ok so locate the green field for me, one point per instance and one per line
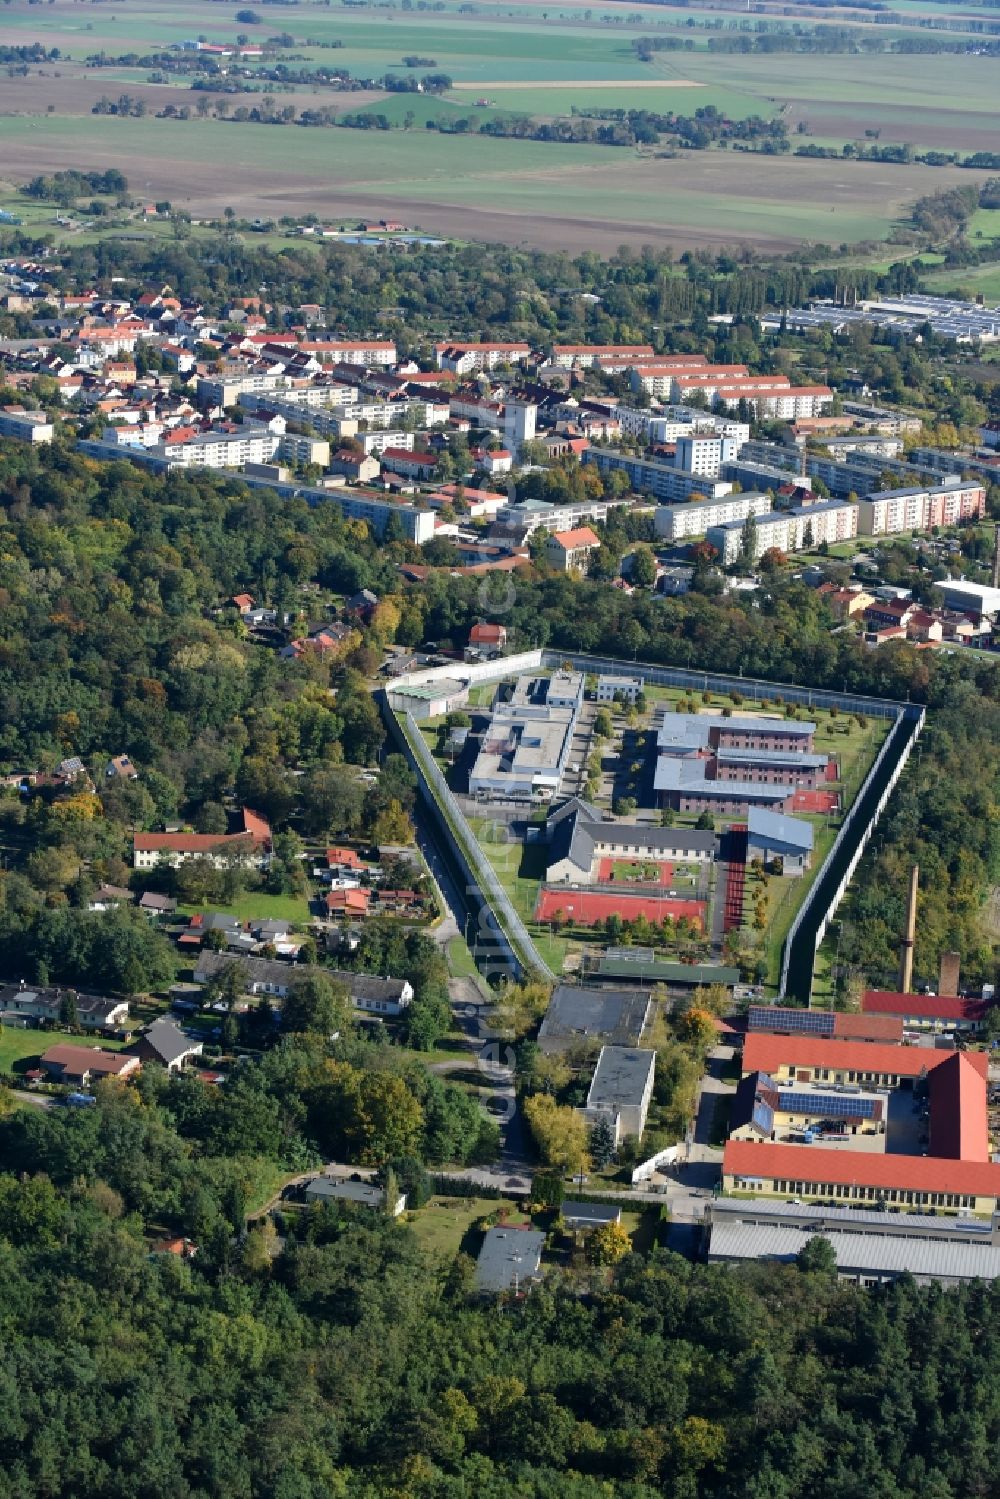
(634, 869)
(253, 907)
(524, 61)
(444, 1222)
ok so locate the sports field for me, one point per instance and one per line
(588, 907)
(528, 59)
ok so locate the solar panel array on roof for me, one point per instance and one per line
(829, 1105)
(763, 1116)
(780, 1021)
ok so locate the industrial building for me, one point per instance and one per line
(870, 1248)
(526, 748)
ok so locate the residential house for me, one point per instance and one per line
(165, 1043)
(569, 551)
(20, 1004)
(487, 641)
(269, 976)
(365, 1194)
(509, 1260)
(157, 905)
(122, 766)
(82, 1065)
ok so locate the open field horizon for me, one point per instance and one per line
(505, 61)
(554, 196)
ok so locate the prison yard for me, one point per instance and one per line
(517, 71)
(687, 878)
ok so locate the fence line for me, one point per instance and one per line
(847, 831)
(505, 924)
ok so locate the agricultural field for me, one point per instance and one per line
(525, 60)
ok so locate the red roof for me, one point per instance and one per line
(846, 1168)
(959, 1115)
(185, 843)
(76, 1060)
(397, 455)
(763, 1053)
(867, 1028)
(488, 634)
(583, 536)
(258, 827)
(348, 900)
(345, 858)
(614, 349)
(926, 1006)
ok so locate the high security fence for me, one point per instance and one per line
(809, 927)
(496, 909)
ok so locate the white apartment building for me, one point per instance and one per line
(664, 482)
(585, 356)
(28, 426)
(248, 444)
(894, 510)
(377, 442)
(294, 448)
(787, 530)
(677, 522)
(373, 353)
(133, 435)
(467, 358)
(227, 390)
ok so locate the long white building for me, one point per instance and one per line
(677, 522)
(787, 530)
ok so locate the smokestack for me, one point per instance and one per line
(996, 558)
(906, 946)
(948, 975)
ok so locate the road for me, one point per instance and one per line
(37, 1100)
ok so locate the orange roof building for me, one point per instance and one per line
(814, 1059)
(860, 1176)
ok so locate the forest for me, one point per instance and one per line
(328, 1355)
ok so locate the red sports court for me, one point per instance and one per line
(815, 801)
(587, 907)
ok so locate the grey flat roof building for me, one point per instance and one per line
(589, 1214)
(866, 1257)
(775, 828)
(576, 1014)
(621, 1077)
(509, 1258)
(621, 1088)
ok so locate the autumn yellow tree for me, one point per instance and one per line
(559, 1132)
(609, 1244)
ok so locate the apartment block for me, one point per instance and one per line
(894, 510)
(661, 480)
(678, 522)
